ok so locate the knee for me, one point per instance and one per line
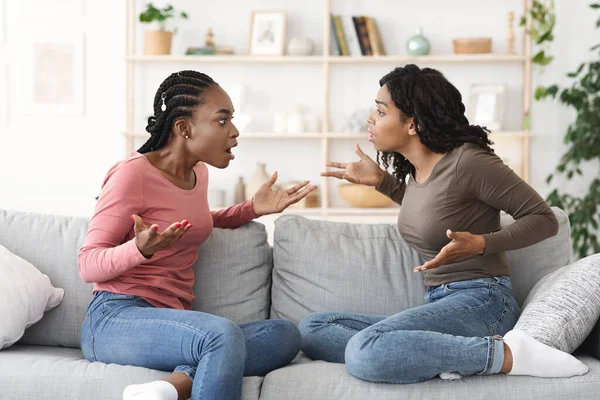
(226, 332)
(289, 336)
(312, 322)
(362, 358)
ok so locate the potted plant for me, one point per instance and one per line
(159, 41)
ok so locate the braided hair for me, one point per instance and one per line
(180, 93)
(438, 113)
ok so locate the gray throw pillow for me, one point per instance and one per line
(563, 307)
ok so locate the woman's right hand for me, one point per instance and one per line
(365, 171)
(149, 240)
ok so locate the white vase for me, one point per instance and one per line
(259, 178)
(300, 47)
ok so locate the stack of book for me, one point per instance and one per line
(355, 36)
(209, 51)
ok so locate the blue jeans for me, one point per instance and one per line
(214, 352)
(458, 330)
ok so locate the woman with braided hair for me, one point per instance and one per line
(452, 188)
(143, 239)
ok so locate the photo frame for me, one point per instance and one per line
(267, 33)
(53, 76)
(486, 105)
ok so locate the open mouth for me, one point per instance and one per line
(371, 137)
(228, 151)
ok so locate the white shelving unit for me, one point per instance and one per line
(325, 136)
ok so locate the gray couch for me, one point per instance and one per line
(313, 266)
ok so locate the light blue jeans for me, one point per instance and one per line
(214, 352)
(459, 330)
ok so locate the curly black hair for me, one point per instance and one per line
(181, 92)
(438, 113)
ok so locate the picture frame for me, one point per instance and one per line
(53, 74)
(486, 105)
(267, 33)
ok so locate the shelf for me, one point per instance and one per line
(238, 59)
(447, 58)
(332, 135)
(244, 59)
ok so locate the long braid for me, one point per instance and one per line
(437, 110)
(182, 91)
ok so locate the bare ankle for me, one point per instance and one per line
(182, 383)
(508, 360)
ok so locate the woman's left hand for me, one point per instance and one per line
(268, 201)
(463, 244)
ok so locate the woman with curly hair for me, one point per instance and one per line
(452, 188)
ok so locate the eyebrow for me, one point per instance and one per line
(381, 102)
(224, 111)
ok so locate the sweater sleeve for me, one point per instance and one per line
(105, 253)
(486, 177)
(392, 188)
(234, 216)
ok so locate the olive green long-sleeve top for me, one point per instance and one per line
(465, 192)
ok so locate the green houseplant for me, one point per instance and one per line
(582, 136)
(159, 41)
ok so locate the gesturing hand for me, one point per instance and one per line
(463, 244)
(268, 201)
(149, 240)
(364, 171)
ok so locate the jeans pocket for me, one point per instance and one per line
(478, 283)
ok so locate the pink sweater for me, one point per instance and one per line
(109, 256)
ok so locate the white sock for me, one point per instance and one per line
(534, 358)
(157, 390)
(450, 376)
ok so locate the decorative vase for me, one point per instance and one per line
(240, 191)
(259, 178)
(157, 42)
(417, 45)
(300, 47)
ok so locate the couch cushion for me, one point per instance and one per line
(39, 372)
(308, 380)
(528, 265)
(323, 266)
(339, 266)
(563, 307)
(232, 272)
(51, 243)
(25, 294)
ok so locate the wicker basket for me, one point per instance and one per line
(472, 45)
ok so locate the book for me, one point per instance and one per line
(363, 36)
(375, 37)
(351, 36)
(335, 47)
(201, 51)
(339, 34)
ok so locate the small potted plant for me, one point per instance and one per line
(159, 41)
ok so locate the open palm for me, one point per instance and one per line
(269, 201)
(365, 171)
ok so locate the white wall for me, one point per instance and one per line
(56, 164)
